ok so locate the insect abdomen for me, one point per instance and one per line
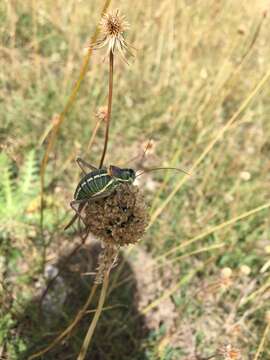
(92, 184)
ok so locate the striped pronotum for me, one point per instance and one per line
(96, 183)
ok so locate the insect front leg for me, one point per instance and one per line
(83, 163)
(81, 203)
(81, 206)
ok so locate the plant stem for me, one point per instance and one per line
(91, 141)
(262, 342)
(93, 324)
(109, 110)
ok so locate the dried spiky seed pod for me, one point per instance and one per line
(119, 219)
(113, 25)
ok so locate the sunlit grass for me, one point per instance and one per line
(199, 87)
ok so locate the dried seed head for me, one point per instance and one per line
(229, 353)
(119, 219)
(101, 113)
(113, 25)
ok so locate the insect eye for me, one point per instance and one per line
(131, 173)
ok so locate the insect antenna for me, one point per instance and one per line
(141, 157)
(163, 168)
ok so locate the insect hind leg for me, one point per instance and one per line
(83, 163)
(77, 211)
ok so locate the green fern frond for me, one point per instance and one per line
(6, 182)
(28, 175)
(4, 163)
(16, 194)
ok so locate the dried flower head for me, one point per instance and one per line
(229, 353)
(119, 219)
(102, 113)
(113, 25)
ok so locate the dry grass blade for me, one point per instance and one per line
(214, 229)
(185, 256)
(210, 146)
(173, 289)
(256, 293)
(232, 78)
(94, 133)
(262, 342)
(48, 129)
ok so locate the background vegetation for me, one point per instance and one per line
(199, 87)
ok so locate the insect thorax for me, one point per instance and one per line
(92, 184)
(102, 182)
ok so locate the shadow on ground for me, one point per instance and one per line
(120, 331)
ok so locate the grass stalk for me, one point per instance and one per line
(96, 317)
(213, 230)
(109, 110)
(263, 288)
(262, 342)
(94, 133)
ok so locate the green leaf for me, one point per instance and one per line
(28, 175)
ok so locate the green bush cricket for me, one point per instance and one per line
(100, 183)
